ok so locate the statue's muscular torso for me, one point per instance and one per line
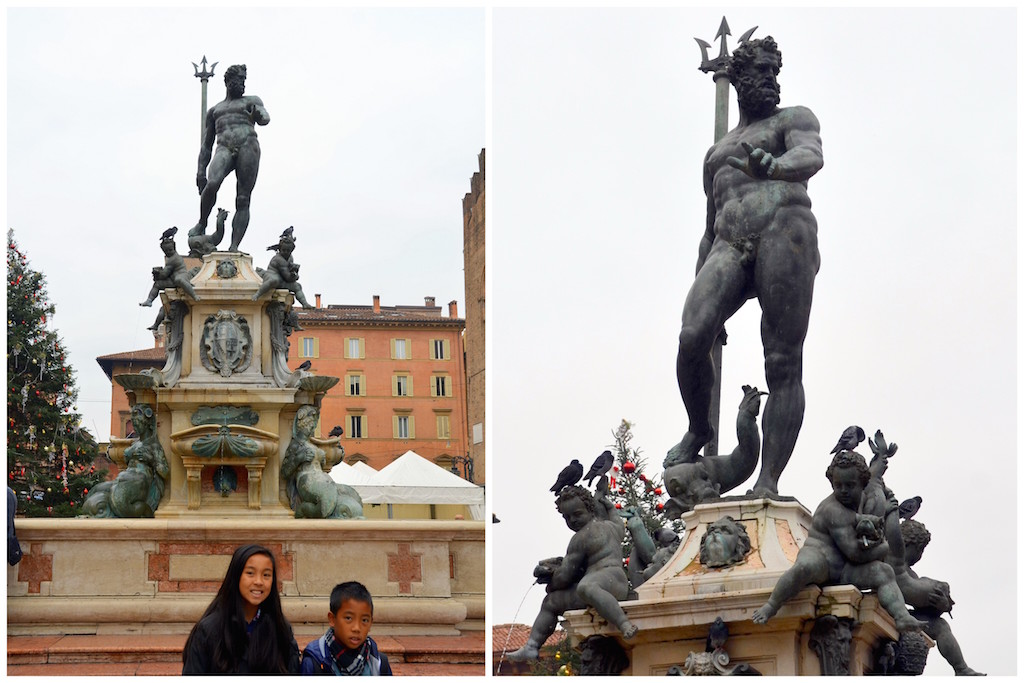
(234, 126)
(754, 208)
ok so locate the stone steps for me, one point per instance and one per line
(160, 655)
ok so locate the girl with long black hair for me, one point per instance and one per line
(244, 630)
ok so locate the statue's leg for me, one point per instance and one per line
(220, 166)
(880, 577)
(939, 631)
(246, 170)
(785, 285)
(717, 292)
(555, 603)
(602, 590)
(296, 289)
(811, 567)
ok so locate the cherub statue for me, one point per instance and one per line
(704, 479)
(839, 548)
(590, 574)
(172, 274)
(929, 598)
(139, 487)
(311, 490)
(283, 272)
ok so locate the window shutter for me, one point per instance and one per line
(408, 348)
(433, 387)
(362, 348)
(408, 385)
(392, 349)
(412, 427)
(394, 385)
(394, 426)
(316, 347)
(362, 385)
(433, 356)
(348, 385)
(447, 349)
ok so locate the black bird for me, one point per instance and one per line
(909, 507)
(337, 431)
(169, 233)
(601, 466)
(306, 365)
(288, 232)
(717, 636)
(494, 519)
(851, 438)
(572, 473)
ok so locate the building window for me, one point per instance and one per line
(401, 349)
(440, 349)
(440, 385)
(355, 347)
(444, 427)
(401, 385)
(404, 427)
(355, 385)
(355, 426)
(310, 348)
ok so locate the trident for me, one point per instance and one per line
(205, 76)
(719, 67)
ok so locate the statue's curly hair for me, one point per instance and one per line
(915, 533)
(744, 54)
(569, 492)
(850, 459)
(234, 71)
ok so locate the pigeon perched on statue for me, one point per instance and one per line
(337, 431)
(717, 635)
(306, 365)
(909, 507)
(601, 466)
(851, 438)
(572, 473)
(169, 233)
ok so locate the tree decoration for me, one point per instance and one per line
(41, 388)
(634, 488)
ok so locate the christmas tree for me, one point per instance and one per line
(631, 488)
(50, 458)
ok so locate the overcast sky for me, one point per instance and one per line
(377, 119)
(601, 120)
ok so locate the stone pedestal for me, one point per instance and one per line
(676, 607)
(225, 357)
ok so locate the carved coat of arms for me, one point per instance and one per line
(226, 343)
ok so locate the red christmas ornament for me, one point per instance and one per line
(643, 478)
(660, 507)
(614, 468)
(628, 467)
(618, 506)
(657, 491)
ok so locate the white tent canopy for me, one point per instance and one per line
(353, 475)
(412, 478)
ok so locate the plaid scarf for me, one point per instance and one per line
(349, 662)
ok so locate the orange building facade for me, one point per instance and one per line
(402, 372)
(403, 378)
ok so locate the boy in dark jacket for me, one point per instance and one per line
(347, 648)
